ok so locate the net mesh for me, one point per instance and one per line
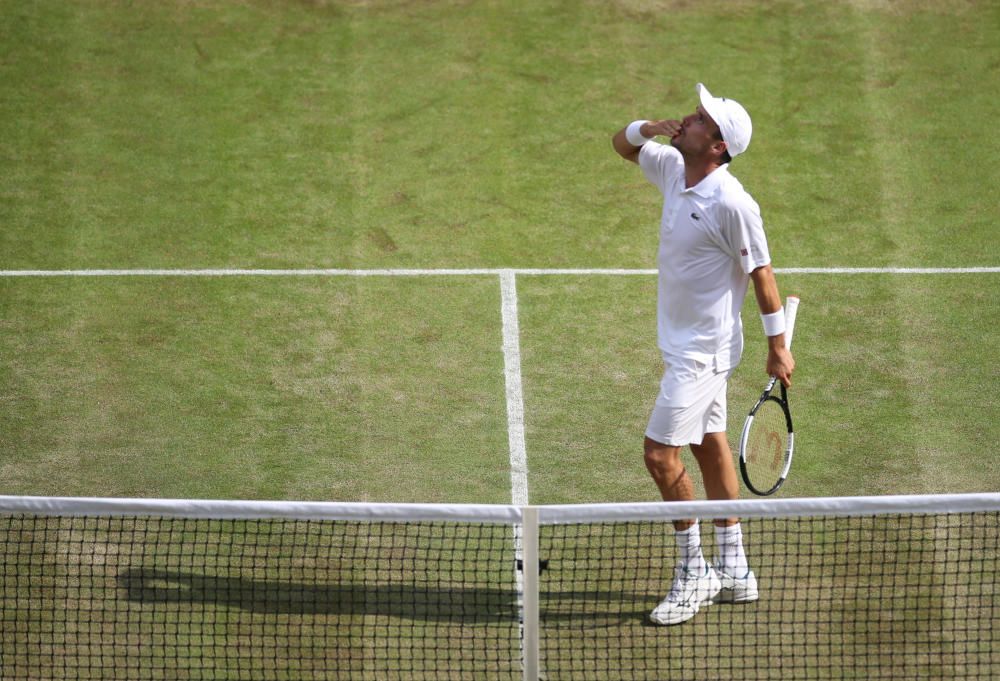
(168, 598)
(887, 597)
(898, 595)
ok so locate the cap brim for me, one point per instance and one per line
(708, 102)
(731, 118)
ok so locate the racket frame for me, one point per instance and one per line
(789, 439)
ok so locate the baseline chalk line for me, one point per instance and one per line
(525, 271)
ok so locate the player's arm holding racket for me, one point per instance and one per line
(780, 362)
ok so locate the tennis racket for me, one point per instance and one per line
(768, 440)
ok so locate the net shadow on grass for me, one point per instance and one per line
(432, 603)
(416, 602)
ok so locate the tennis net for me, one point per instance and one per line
(851, 588)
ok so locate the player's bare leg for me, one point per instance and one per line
(667, 470)
(695, 582)
(739, 584)
(715, 459)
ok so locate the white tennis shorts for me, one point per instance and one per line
(691, 403)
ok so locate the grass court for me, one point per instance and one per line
(394, 138)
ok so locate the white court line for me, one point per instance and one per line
(515, 396)
(887, 270)
(518, 463)
(248, 273)
(458, 272)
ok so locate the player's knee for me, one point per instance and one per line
(661, 459)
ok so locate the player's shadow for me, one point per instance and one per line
(409, 600)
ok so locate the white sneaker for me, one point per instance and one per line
(736, 589)
(688, 593)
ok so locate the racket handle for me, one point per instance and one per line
(791, 309)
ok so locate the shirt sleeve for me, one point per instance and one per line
(741, 232)
(660, 163)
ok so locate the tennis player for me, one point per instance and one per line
(712, 244)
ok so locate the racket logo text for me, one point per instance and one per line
(774, 441)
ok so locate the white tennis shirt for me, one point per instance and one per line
(711, 238)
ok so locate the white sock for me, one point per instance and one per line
(689, 543)
(732, 558)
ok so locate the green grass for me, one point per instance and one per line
(276, 389)
(454, 134)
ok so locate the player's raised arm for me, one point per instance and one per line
(629, 140)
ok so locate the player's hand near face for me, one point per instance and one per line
(649, 129)
(665, 128)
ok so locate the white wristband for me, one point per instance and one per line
(774, 323)
(632, 134)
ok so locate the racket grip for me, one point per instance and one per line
(791, 309)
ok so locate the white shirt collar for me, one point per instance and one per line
(710, 183)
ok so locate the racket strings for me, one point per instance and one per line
(766, 445)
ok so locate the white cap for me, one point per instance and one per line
(732, 119)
